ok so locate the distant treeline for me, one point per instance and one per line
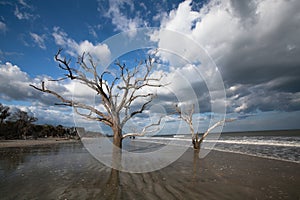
(20, 125)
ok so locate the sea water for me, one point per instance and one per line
(280, 146)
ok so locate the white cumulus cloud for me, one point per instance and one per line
(253, 43)
(99, 52)
(39, 40)
(121, 21)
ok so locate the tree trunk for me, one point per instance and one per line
(117, 148)
(195, 163)
(197, 142)
(117, 131)
(111, 190)
(112, 186)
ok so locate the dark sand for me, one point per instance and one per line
(30, 142)
(218, 176)
(69, 172)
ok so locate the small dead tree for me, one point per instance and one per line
(118, 92)
(188, 118)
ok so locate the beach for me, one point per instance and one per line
(218, 176)
(30, 142)
(68, 171)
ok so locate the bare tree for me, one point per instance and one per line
(119, 92)
(188, 118)
(4, 113)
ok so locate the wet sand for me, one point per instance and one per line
(69, 172)
(218, 176)
(30, 142)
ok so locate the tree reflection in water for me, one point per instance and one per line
(70, 172)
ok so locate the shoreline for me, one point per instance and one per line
(219, 175)
(31, 142)
(48, 141)
(257, 156)
(235, 152)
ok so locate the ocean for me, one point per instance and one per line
(279, 145)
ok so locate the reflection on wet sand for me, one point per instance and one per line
(12, 157)
(67, 171)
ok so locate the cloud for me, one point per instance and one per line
(39, 40)
(270, 120)
(93, 30)
(181, 19)
(99, 52)
(61, 39)
(3, 27)
(122, 21)
(54, 115)
(5, 54)
(13, 82)
(182, 85)
(244, 9)
(246, 98)
(22, 15)
(255, 44)
(24, 11)
(14, 87)
(24, 4)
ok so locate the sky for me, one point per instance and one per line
(253, 45)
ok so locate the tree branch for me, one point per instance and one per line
(90, 117)
(188, 118)
(219, 123)
(118, 94)
(72, 103)
(65, 65)
(144, 131)
(143, 107)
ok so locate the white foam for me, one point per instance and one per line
(257, 142)
(243, 142)
(259, 156)
(292, 144)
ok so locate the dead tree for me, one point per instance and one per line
(117, 91)
(188, 118)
